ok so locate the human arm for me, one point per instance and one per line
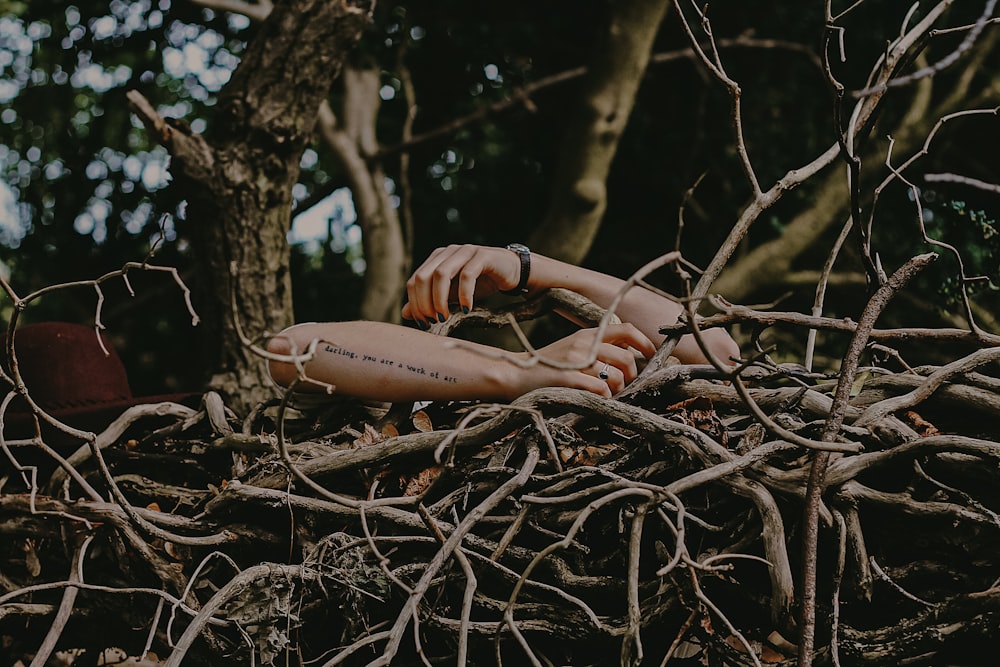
(388, 362)
(464, 273)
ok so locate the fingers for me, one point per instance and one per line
(603, 367)
(596, 386)
(420, 289)
(614, 358)
(468, 279)
(457, 273)
(614, 378)
(627, 335)
(616, 365)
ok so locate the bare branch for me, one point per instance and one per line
(964, 180)
(970, 39)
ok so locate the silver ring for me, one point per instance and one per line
(603, 374)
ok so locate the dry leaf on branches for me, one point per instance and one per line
(369, 437)
(700, 413)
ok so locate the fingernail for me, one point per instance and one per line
(421, 324)
(465, 310)
(441, 318)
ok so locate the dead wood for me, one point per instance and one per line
(563, 528)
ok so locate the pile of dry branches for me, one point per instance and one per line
(707, 515)
(667, 526)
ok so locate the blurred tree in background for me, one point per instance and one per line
(295, 159)
(579, 127)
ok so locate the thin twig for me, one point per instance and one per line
(817, 473)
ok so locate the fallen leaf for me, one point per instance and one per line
(422, 481)
(31, 561)
(687, 649)
(752, 438)
(737, 644)
(924, 428)
(369, 437)
(859, 382)
(591, 455)
(706, 624)
(768, 654)
(699, 412)
(422, 421)
(485, 452)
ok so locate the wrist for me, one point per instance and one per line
(547, 272)
(510, 377)
(524, 270)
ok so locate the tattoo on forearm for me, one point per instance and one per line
(390, 363)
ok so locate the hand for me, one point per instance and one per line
(458, 273)
(616, 355)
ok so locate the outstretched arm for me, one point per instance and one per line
(388, 362)
(460, 274)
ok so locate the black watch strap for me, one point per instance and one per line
(525, 256)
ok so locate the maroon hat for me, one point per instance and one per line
(70, 376)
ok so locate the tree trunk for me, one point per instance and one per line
(353, 142)
(580, 191)
(240, 196)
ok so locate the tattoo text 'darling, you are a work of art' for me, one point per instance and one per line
(391, 363)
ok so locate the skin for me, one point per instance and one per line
(387, 362)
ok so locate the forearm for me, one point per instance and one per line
(646, 309)
(387, 362)
(461, 274)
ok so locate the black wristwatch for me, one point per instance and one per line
(525, 255)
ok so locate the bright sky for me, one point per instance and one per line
(312, 225)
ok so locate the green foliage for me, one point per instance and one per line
(973, 233)
(89, 181)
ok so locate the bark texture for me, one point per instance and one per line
(563, 528)
(238, 178)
